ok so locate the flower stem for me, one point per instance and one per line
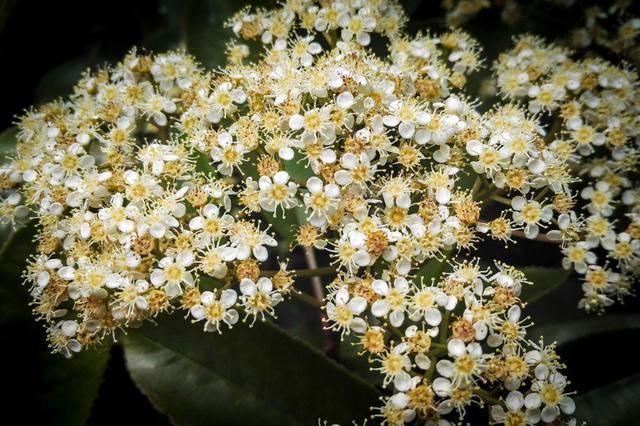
(305, 273)
(316, 283)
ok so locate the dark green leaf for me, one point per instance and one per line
(544, 280)
(7, 143)
(203, 30)
(70, 386)
(568, 332)
(246, 376)
(59, 81)
(63, 390)
(298, 169)
(15, 248)
(433, 269)
(410, 6)
(285, 227)
(348, 352)
(613, 404)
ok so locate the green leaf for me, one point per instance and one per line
(69, 387)
(16, 246)
(204, 31)
(8, 140)
(434, 268)
(348, 351)
(410, 6)
(298, 169)
(544, 280)
(246, 376)
(285, 227)
(571, 331)
(613, 404)
(65, 389)
(59, 81)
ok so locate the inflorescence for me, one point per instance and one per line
(152, 187)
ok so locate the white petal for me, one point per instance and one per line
(248, 287)
(296, 122)
(357, 305)
(281, 177)
(380, 287)
(314, 185)
(228, 298)
(380, 308)
(260, 253)
(456, 347)
(345, 100)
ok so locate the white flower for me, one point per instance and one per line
(172, 273)
(216, 311)
(156, 107)
(277, 193)
(358, 25)
(118, 217)
(468, 362)
(578, 255)
(406, 116)
(303, 50)
(394, 300)
(259, 298)
(141, 187)
(351, 250)
(224, 101)
(322, 200)
(228, 154)
(514, 403)
(531, 214)
(344, 312)
(548, 392)
(600, 199)
(131, 298)
(425, 302)
(156, 155)
(394, 366)
(210, 227)
(356, 170)
(316, 124)
(249, 240)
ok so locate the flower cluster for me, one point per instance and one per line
(155, 184)
(612, 25)
(593, 107)
(452, 344)
(128, 228)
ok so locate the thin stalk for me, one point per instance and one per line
(540, 237)
(487, 397)
(304, 273)
(443, 327)
(318, 292)
(305, 298)
(501, 200)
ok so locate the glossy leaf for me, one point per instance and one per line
(571, 331)
(544, 280)
(7, 143)
(613, 404)
(65, 389)
(245, 376)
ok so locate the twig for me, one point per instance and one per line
(316, 284)
(540, 237)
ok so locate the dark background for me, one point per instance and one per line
(44, 46)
